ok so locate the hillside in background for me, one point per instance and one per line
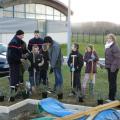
(96, 27)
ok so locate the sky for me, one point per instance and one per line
(94, 10)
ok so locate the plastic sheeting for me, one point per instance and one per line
(109, 114)
(54, 107)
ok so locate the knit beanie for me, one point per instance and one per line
(19, 32)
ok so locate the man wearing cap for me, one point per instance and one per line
(37, 40)
(14, 55)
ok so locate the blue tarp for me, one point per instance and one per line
(54, 107)
(44, 118)
(109, 114)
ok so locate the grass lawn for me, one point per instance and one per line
(98, 47)
(101, 87)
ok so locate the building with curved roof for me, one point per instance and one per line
(49, 16)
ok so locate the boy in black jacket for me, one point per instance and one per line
(36, 60)
(45, 66)
(75, 62)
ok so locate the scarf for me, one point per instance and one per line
(107, 45)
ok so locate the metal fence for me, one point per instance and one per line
(91, 38)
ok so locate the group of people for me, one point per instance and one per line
(112, 65)
(76, 62)
(40, 53)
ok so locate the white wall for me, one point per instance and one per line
(59, 37)
(5, 38)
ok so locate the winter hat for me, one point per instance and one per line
(36, 31)
(19, 32)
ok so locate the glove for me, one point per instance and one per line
(90, 60)
(73, 69)
(51, 70)
(93, 56)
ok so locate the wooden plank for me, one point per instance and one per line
(91, 111)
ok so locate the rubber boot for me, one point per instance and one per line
(12, 95)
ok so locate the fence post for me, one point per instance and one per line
(77, 37)
(83, 36)
(89, 37)
(95, 38)
(103, 37)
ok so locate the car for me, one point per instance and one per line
(101, 62)
(4, 67)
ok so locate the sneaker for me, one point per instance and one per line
(80, 99)
(108, 100)
(11, 99)
(72, 93)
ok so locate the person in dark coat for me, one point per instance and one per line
(36, 61)
(56, 59)
(90, 59)
(45, 66)
(37, 40)
(14, 55)
(112, 64)
(76, 69)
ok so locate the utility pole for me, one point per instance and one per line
(69, 28)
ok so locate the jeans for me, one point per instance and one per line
(43, 77)
(58, 79)
(34, 78)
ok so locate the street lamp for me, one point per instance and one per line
(69, 28)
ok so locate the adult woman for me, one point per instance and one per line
(112, 63)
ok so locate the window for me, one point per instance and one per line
(56, 17)
(56, 12)
(28, 15)
(30, 8)
(34, 11)
(63, 17)
(49, 10)
(7, 14)
(9, 9)
(38, 16)
(19, 8)
(41, 9)
(19, 15)
(1, 12)
(49, 17)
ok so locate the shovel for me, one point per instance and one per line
(91, 85)
(34, 70)
(73, 60)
